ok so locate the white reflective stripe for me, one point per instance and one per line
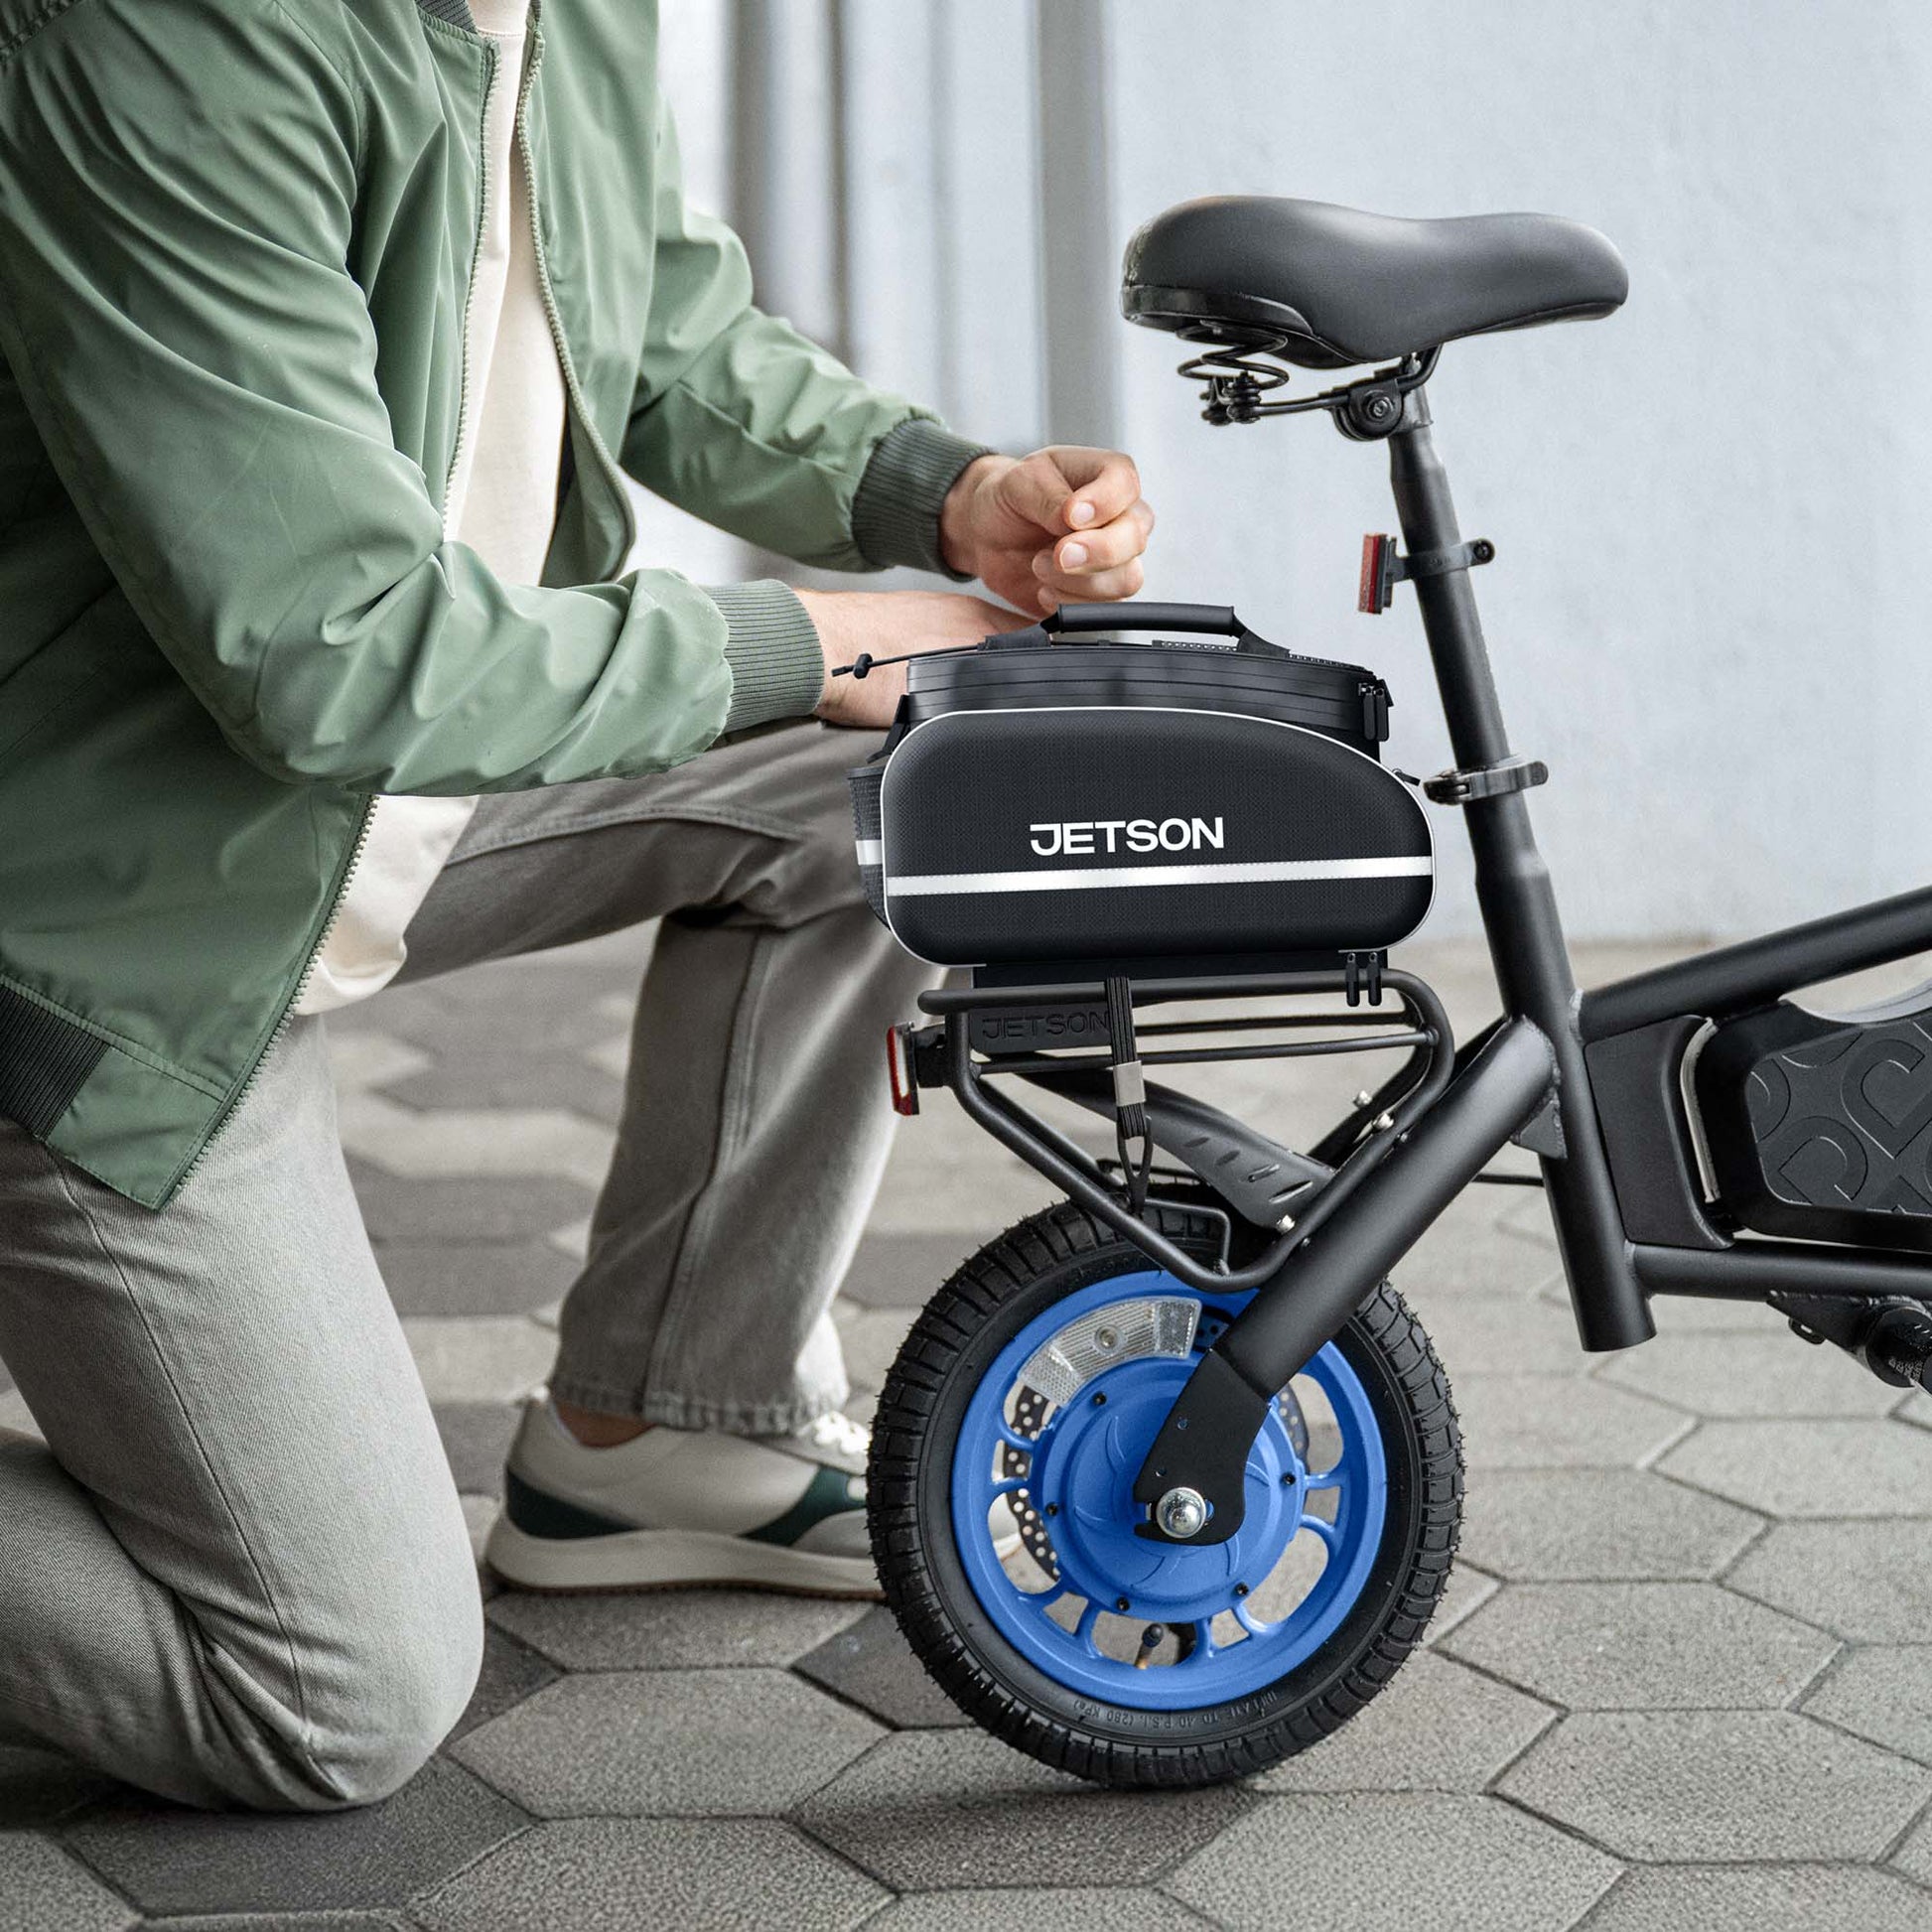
(870, 851)
(1088, 878)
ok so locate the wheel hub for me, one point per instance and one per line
(1082, 1478)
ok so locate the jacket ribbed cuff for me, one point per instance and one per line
(895, 513)
(777, 668)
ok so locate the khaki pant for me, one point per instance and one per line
(237, 1572)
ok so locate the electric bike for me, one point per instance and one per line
(1167, 1481)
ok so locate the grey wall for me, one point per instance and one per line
(1705, 611)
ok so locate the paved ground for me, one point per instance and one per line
(1685, 1680)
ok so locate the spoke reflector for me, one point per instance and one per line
(1125, 1333)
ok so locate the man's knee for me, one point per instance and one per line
(396, 1686)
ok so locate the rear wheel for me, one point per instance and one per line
(1004, 1449)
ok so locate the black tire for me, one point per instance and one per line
(991, 1297)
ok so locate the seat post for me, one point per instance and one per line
(1519, 906)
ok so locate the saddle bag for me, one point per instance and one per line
(1178, 805)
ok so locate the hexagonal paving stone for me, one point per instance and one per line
(510, 1673)
(1467, 1591)
(479, 1518)
(510, 1076)
(505, 1207)
(929, 1810)
(1768, 1373)
(549, 999)
(1492, 1334)
(283, 1922)
(473, 1140)
(1763, 1898)
(1810, 1468)
(902, 1271)
(369, 1058)
(1469, 1255)
(1090, 1910)
(667, 1743)
(672, 1629)
(479, 1358)
(1437, 1728)
(1393, 1860)
(1642, 1646)
(172, 1860)
(608, 1875)
(952, 1187)
(1548, 1422)
(1868, 1582)
(1915, 1407)
(1570, 1525)
(1527, 1219)
(871, 1339)
(1915, 1856)
(1689, 1315)
(477, 1438)
(1883, 1694)
(42, 1890)
(36, 1787)
(871, 1665)
(474, 1277)
(1719, 1786)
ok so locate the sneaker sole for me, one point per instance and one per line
(670, 1559)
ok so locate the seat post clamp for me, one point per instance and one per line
(1485, 782)
(1383, 569)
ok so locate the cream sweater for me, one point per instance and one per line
(501, 502)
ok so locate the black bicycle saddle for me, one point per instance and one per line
(1341, 287)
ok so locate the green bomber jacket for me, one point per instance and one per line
(236, 238)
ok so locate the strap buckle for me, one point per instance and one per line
(1485, 782)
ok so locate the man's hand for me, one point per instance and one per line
(890, 623)
(1063, 526)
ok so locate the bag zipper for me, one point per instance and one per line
(340, 889)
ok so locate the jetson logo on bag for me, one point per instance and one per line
(1084, 835)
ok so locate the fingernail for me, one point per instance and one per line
(1073, 556)
(1081, 513)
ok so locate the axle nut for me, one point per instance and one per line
(1182, 1513)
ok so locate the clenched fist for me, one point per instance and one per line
(1063, 526)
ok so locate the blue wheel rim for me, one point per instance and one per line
(1079, 1473)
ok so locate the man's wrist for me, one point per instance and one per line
(956, 514)
(897, 511)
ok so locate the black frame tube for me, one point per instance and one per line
(1519, 907)
(1203, 1442)
(1735, 979)
(1754, 1270)
(1325, 1282)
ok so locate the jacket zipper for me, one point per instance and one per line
(287, 1018)
(340, 891)
(613, 475)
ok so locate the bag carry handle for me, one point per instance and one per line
(1215, 620)
(1073, 620)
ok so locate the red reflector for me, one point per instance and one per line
(1371, 592)
(899, 1072)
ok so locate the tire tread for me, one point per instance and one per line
(1005, 1267)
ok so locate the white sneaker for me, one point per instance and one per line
(685, 1507)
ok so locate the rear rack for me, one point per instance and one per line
(976, 1043)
